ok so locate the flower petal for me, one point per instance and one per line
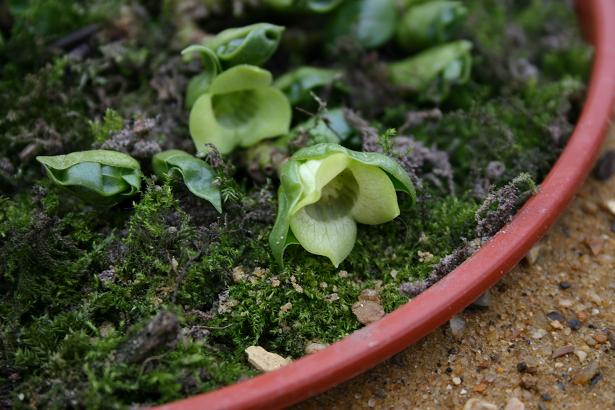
(315, 174)
(377, 200)
(204, 128)
(238, 78)
(324, 233)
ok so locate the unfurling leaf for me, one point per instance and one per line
(239, 108)
(429, 24)
(326, 190)
(253, 44)
(298, 83)
(431, 73)
(196, 173)
(100, 177)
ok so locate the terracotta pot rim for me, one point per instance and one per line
(374, 343)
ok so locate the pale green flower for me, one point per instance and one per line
(240, 107)
(326, 190)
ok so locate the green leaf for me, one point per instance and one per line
(315, 6)
(253, 44)
(196, 173)
(298, 83)
(100, 177)
(239, 109)
(431, 73)
(370, 22)
(428, 24)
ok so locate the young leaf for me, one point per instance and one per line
(315, 6)
(100, 177)
(429, 24)
(298, 83)
(253, 44)
(431, 73)
(196, 173)
(199, 84)
(370, 22)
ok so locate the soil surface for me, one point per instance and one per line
(558, 302)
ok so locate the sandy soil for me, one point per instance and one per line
(564, 300)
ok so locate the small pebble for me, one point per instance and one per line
(370, 294)
(315, 347)
(556, 324)
(611, 336)
(538, 333)
(574, 324)
(456, 381)
(263, 360)
(581, 355)
(597, 377)
(605, 166)
(371, 403)
(564, 285)
(483, 300)
(589, 340)
(480, 388)
(613, 227)
(583, 316)
(477, 404)
(585, 374)
(595, 244)
(514, 404)
(565, 302)
(555, 315)
(521, 367)
(534, 253)
(367, 311)
(458, 326)
(600, 338)
(562, 351)
(545, 397)
(609, 205)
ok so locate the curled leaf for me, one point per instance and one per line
(239, 108)
(430, 23)
(199, 84)
(431, 73)
(326, 190)
(196, 173)
(370, 22)
(298, 83)
(253, 44)
(100, 177)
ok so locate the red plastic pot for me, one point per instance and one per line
(374, 343)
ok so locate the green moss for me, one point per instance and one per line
(77, 282)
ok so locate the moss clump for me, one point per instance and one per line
(77, 284)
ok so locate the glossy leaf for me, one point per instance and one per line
(326, 190)
(429, 24)
(100, 177)
(315, 6)
(370, 22)
(431, 73)
(239, 108)
(253, 44)
(196, 173)
(298, 83)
